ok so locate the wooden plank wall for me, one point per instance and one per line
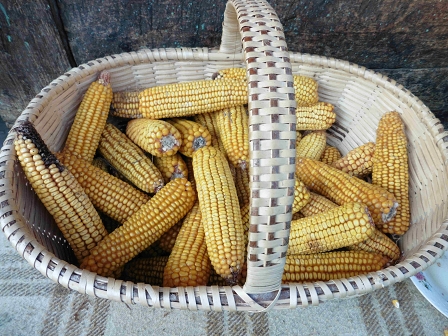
(405, 39)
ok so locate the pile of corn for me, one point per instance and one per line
(164, 197)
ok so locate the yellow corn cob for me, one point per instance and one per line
(189, 163)
(90, 119)
(209, 121)
(189, 264)
(305, 87)
(358, 162)
(391, 170)
(220, 210)
(301, 195)
(242, 185)
(345, 225)
(168, 239)
(171, 167)
(125, 105)
(330, 155)
(189, 98)
(233, 126)
(319, 116)
(142, 229)
(59, 192)
(378, 243)
(342, 188)
(112, 196)
(312, 145)
(156, 137)
(146, 270)
(298, 138)
(129, 160)
(330, 265)
(193, 135)
(317, 204)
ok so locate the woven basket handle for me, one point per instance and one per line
(272, 125)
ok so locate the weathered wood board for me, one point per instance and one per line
(406, 39)
(31, 54)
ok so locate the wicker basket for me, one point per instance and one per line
(360, 97)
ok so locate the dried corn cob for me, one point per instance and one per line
(156, 137)
(242, 180)
(168, 239)
(220, 210)
(342, 188)
(146, 270)
(189, 98)
(319, 116)
(330, 265)
(312, 145)
(298, 138)
(233, 127)
(378, 243)
(317, 204)
(59, 192)
(330, 155)
(189, 264)
(171, 167)
(391, 170)
(112, 196)
(129, 160)
(357, 162)
(305, 87)
(209, 121)
(301, 195)
(190, 177)
(345, 225)
(125, 105)
(142, 229)
(193, 135)
(90, 119)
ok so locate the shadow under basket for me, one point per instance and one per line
(252, 38)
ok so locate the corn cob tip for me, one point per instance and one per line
(387, 217)
(27, 131)
(232, 280)
(104, 78)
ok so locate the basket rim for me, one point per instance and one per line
(207, 297)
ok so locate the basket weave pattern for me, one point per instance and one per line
(252, 38)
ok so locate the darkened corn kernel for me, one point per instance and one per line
(317, 204)
(342, 188)
(331, 266)
(233, 127)
(312, 145)
(391, 169)
(90, 119)
(193, 135)
(168, 239)
(189, 264)
(59, 191)
(330, 155)
(142, 229)
(156, 137)
(189, 98)
(378, 243)
(357, 162)
(339, 227)
(171, 167)
(319, 116)
(114, 197)
(220, 210)
(146, 270)
(129, 160)
(125, 104)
